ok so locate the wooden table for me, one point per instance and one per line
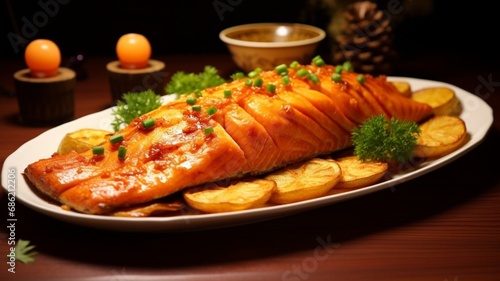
(441, 226)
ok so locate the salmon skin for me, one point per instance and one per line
(251, 131)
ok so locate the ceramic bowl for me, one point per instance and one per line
(266, 45)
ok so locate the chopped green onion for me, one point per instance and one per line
(122, 151)
(336, 77)
(208, 130)
(361, 79)
(302, 72)
(196, 107)
(227, 93)
(286, 80)
(258, 82)
(347, 66)
(271, 88)
(198, 94)
(338, 69)
(248, 82)
(191, 100)
(211, 110)
(237, 75)
(98, 150)
(294, 64)
(318, 61)
(313, 77)
(148, 123)
(116, 139)
(255, 72)
(281, 69)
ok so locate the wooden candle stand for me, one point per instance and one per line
(44, 101)
(124, 80)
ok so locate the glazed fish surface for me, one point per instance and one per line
(246, 127)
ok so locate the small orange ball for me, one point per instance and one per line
(42, 56)
(133, 51)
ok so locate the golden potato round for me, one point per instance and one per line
(149, 209)
(404, 88)
(439, 136)
(442, 100)
(82, 140)
(357, 173)
(240, 195)
(303, 181)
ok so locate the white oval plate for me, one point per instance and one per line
(477, 115)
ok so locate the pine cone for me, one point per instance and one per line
(365, 39)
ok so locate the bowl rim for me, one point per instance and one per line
(223, 35)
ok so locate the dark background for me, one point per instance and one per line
(192, 26)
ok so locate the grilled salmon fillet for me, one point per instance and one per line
(253, 131)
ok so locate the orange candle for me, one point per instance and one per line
(133, 51)
(42, 56)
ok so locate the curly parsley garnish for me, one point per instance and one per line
(379, 139)
(186, 83)
(133, 105)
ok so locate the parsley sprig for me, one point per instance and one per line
(380, 139)
(186, 83)
(133, 105)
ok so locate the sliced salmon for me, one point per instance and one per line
(251, 132)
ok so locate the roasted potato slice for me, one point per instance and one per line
(440, 135)
(240, 195)
(303, 181)
(357, 173)
(149, 210)
(82, 140)
(442, 100)
(403, 87)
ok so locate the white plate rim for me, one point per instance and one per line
(477, 114)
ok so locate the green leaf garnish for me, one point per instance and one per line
(379, 139)
(24, 251)
(186, 83)
(133, 105)
(237, 75)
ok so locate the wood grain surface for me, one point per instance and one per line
(444, 226)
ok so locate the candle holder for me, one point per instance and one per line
(45, 101)
(124, 80)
